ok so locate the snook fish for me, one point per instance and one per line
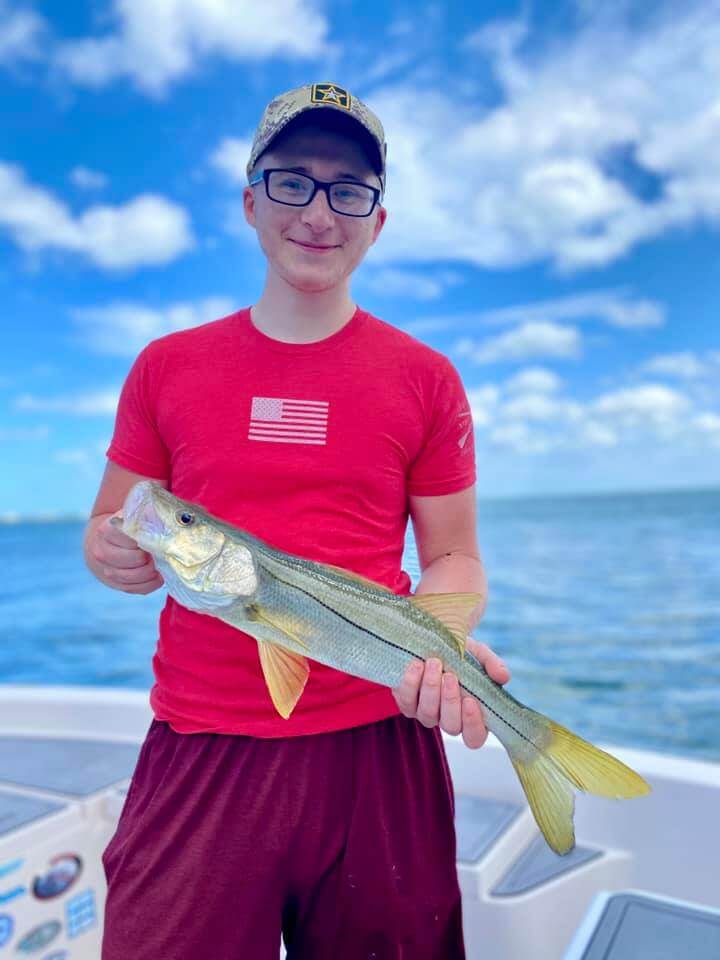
(298, 609)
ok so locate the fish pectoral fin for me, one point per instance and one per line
(279, 622)
(454, 610)
(285, 673)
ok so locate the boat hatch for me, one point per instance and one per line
(633, 925)
(479, 823)
(538, 864)
(19, 809)
(77, 768)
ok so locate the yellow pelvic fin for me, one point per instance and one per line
(285, 673)
(454, 610)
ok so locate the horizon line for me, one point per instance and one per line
(12, 517)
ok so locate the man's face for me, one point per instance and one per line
(313, 248)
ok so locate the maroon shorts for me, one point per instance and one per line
(343, 841)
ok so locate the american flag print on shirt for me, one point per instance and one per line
(275, 420)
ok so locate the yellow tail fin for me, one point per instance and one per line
(565, 759)
(591, 769)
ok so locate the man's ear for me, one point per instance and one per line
(249, 205)
(379, 223)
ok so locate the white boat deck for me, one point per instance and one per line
(643, 877)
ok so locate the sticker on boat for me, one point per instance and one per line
(39, 937)
(10, 866)
(64, 871)
(7, 895)
(81, 914)
(7, 925)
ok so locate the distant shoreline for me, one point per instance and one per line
(14, 519)
(598, 494)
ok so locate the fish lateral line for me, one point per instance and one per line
(397, 646)
(352, 623)
(354, 581)
(500, 718)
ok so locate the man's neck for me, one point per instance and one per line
(287, 314)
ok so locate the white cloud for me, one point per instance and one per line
(483, 402)
(614, 307)
(594, 434)
(88, 179)
(521, 439)
(155, 43)
(231, 157)
(123, 328)
(21, 33)
(408, 284)
(709, 425)
(634, 406)
(540, 407)
(601, 140)
(147, 230)
(534, 380)
(527, 341)
(684, 365)
(641, 417)
(98, 403)
(72, 456)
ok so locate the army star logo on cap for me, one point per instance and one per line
(330, 93)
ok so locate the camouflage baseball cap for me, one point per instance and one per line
(318, 96)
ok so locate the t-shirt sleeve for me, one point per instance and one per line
(446, 460)
(136, 442)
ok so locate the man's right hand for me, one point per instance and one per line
(120, 562)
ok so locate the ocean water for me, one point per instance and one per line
(605, 608)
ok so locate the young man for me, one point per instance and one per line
(318, 428)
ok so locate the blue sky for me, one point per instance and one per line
(553, 195)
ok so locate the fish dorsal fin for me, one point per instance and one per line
(285, 673)
(358, 578)
(454, 610)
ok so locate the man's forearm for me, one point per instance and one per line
(456, 573)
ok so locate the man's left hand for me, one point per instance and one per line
(433, 697)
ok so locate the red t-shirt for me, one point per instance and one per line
(312, 447)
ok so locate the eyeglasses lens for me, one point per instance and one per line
(352, 199)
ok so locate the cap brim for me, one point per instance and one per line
(331, 118)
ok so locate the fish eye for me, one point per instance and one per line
(185, 518)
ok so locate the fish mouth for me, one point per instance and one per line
(141, 520)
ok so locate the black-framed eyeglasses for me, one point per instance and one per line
(347, 197)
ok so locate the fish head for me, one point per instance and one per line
(202, 566)
(169, 527)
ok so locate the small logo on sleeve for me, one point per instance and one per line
(466, 427)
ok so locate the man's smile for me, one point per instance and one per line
(315, 247)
